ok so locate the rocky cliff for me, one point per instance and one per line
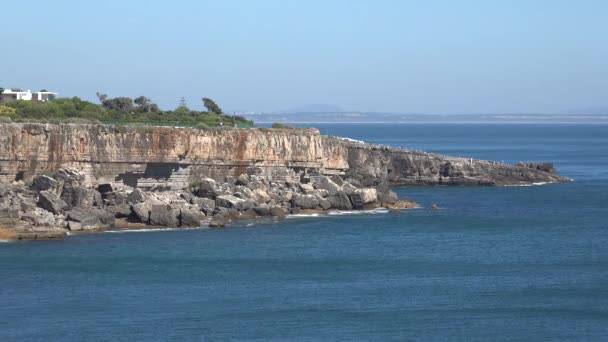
(173, 158)
(60, 178)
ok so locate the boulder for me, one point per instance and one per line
(136, 196)
(243, 180)
(255, 185)
(206, 188)
(389, 197)
(261, 197)
(324, 204)
(41, 183)
(86, 217)
(49, 201)
(262, 211)
(142, 211)
(306, 188)
(277, 211)
(164, 215)
(306, 201)
(27, 204)
(232, 202)
(337, 179)
(217, 221)
(190, 218)
(348, 188)
(39, 217)
(325, 183)
(340, 201)
(97, 200)
(75, 196)
(361, 197)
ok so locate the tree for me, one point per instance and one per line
(145, 104)
(211, 106)
(122, 104)
(101, 97)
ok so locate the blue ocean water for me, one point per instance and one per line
(495, 263)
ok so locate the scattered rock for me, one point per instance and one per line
(49, 201)
(217, 221)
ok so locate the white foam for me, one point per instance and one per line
(1, 241)
(303, 215)
(533, 184)
(250, 224)
(359, 212)
(147, 230)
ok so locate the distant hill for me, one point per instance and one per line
(316, 108)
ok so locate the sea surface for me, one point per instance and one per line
(494, 263)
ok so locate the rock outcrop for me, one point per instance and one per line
(60, 178)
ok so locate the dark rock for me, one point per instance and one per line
(41, 183)
(262, 211)
(105, 188)
(49, 201)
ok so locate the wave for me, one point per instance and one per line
(303, 215)
(147, 230)
(359, 212)
(533, 184)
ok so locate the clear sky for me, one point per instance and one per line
(432, 56)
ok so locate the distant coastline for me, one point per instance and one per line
(376, 118)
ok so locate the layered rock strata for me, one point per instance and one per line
(172, 158)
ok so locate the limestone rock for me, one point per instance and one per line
(49, 201)
(340, 201)
(164, 215)
(217, 221)
(136, 196)
(327, 184)
(306, 201)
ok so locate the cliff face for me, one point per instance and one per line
(168, 157)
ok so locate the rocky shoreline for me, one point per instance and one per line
(51, 206)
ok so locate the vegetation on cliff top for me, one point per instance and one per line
(119, 110)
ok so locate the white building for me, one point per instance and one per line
(19, 94)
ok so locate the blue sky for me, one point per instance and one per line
(389, 56)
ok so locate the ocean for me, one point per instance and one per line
(526, 263)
